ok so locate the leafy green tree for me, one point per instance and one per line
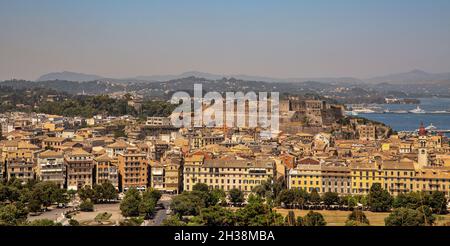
(426, 215)
(290, 219)
(173, 220)
(35, 205)
(14, 183)
(357, 217)
(215, 216)
(88, 193)
(187, 204)
(147, 208)
(270, 189)
(22, 210)
(200, 187)
(10, 215)
(97, 193)
(15, 194)
(87, 205)
(300, 197)
(400, 201)
(286, 197)
(438, 202)
(59, 196)
(71, 194)
(152, 194)
(314, 197)
(256, 213)
(299, 221)
(36, 193)
(236, 196)
(130, 203)
(379, 199)
(411, 200)
(44, 222)
(404, 217)
(217, 196)
(109, 192)
(349, 201)
(330, 198)
(314, 219)
(4, 193)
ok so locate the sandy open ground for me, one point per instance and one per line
(113, 209)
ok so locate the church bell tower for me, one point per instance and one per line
(423, 153)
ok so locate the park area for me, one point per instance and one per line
(338, 218)
(88, 218)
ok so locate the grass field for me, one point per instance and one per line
(338, 218)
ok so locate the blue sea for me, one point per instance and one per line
(411, 122)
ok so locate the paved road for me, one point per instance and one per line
(51, 215)
(161, 214)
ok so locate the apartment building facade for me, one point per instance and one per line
(227, 174)
(133, 169)
(51, 167)
(80, 167)
(19, 164)
(106, 170)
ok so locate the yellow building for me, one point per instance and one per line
(172, 181)
(306, 175)
(227, 174)
(433, 179)
(19, 164)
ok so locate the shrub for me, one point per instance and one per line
(87, 206)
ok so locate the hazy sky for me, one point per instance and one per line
(360, 38)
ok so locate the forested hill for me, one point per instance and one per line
(345, 93)
(92, 87)
(60, 103)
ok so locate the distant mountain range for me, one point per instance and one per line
(414, 76)
(69, 76)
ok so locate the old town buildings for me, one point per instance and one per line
(51, 167)
(80, 167)
(133, 169)
(313, 153)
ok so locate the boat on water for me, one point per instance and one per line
(363, 111)
(399, 112)
(440, 112)
(431, 127)
(351, 113)
(387, 111)
(417, 110)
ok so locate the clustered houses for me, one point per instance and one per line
(425, 166)
(312, 152)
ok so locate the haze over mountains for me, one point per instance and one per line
(414, 76)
